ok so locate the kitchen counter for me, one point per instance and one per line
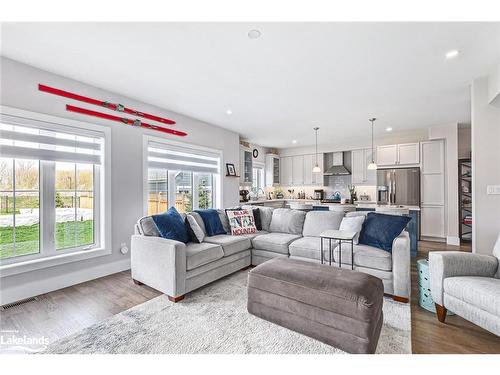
(358, 204)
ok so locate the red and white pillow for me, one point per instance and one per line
(241, 222)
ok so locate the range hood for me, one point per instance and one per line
(336, 166)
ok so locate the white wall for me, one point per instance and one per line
(450, 134)
(19, 88)
(485, 126)
(494, 86)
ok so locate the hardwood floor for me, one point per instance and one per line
(63, 312)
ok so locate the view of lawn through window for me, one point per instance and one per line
(20, 206)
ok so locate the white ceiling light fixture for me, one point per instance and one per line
(229, 112)
(254, 34)
(294, 141)
(452, 54)
(316, 168)
(372, 166)
(389, 129)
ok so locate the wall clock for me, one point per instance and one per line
(255, 153)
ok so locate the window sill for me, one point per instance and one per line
(40, 263)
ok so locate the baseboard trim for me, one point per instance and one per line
(451, 240)
(38, 287)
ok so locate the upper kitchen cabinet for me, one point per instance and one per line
(246, 165)
(408, 153)
(272, 170)
(359, 164)
(311, 178)
(286, 171)
(298, 170)
(401, 154)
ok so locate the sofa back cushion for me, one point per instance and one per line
(147, 227)
(317, 222)
(285, 220)
(496, 252)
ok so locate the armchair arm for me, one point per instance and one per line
(443, 264)
(159, 263)
(401, 265)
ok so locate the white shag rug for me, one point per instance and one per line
(214, 319)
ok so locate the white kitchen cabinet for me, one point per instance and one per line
(272, 170)
(317, 178)
(400, 154)
(387, 155)
(286, 171)
(307, 167)
(433, 203)
(408, 153)
(360, 175)
(246, 161)
(298, 170)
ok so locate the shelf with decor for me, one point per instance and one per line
(465, 199)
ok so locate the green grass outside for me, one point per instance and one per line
(27, 237)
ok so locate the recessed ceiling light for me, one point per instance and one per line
(254, 34)
(294, 141)
(229, 112)
(388, 129)
(452, 54)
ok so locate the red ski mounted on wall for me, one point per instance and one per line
(101, 103)
(124, 120)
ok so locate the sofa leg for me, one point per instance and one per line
(137, 282)
(441, 312)
(175, 299)
(400, 299)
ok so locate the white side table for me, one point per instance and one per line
(340, 235)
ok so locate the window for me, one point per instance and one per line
(185, 178)
(258, 178)
(49, 189)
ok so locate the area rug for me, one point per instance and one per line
(214, 319)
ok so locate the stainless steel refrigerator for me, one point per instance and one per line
(398, 186)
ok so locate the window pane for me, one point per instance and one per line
(157, 191)
(19, 207)
(184, 191)
(6, 225)
(74, 205)
(205, 191)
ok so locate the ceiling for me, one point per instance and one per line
(279, 86)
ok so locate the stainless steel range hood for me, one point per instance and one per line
(337, 167)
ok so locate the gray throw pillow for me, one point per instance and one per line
(148, 227)
(195, 228)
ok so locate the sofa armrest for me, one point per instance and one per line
(443, 264)
(159, 263)
(401, 265)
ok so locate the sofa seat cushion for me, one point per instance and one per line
(198, 254)
(482, 292)
(364, 256)
(309, 247)
(251, 236)
(276, 242)
(230, 244)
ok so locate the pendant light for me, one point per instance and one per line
(316, 168)
(372, 165)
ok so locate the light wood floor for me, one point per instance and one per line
(63, 312)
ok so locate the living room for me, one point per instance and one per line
(250, 187)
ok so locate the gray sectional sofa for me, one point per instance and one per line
(175, 268)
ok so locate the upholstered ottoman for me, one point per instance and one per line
(339, 307)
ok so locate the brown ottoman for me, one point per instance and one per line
(339, 307)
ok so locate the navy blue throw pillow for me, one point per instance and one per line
(171, 226)
(380, 230)
(212, 222)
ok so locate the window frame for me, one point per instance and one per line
(216, 178)
(48, 255)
